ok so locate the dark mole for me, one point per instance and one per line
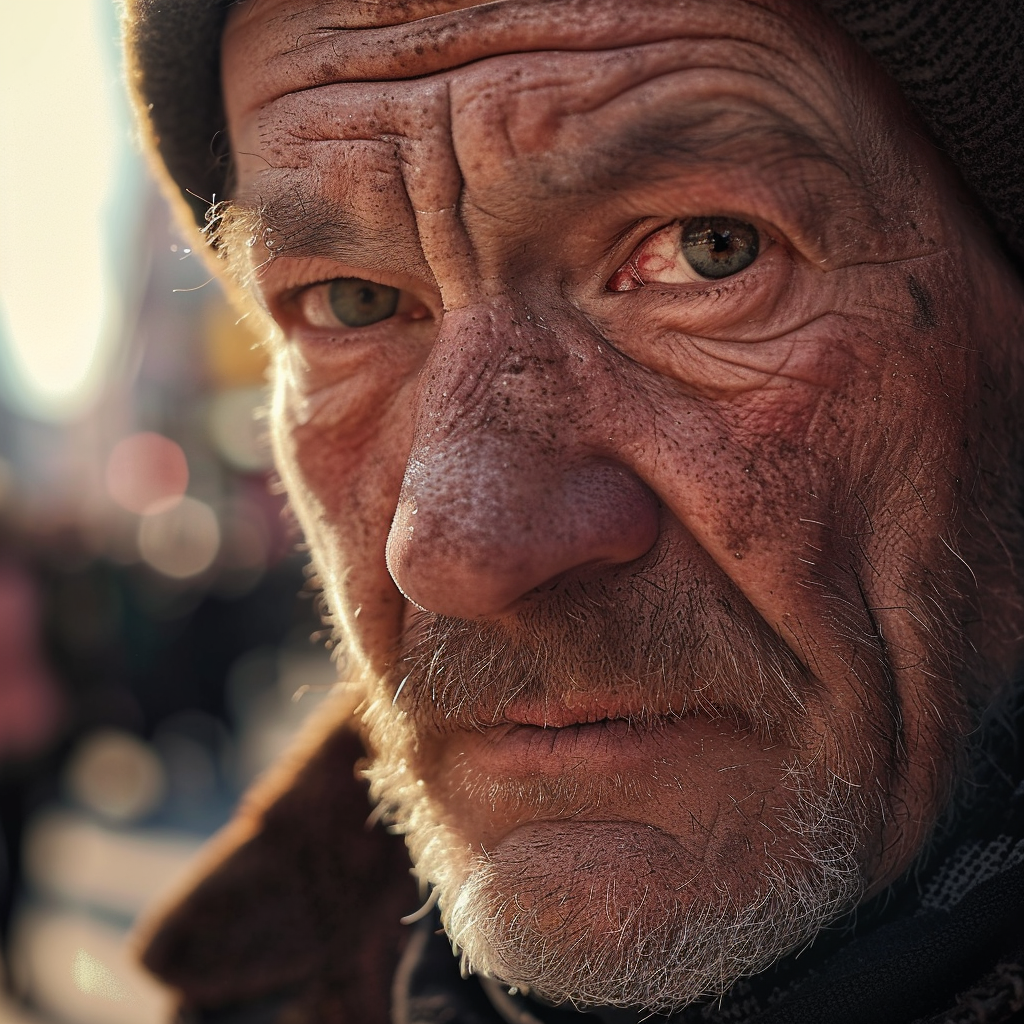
(924, 316)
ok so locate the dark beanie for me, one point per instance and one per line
(960, 63)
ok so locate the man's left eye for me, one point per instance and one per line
(718, 246)
(692, 250)
(348, 302)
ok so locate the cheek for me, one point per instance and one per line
(343, 467)
(839, 477)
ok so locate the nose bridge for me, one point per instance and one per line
(489, 448)
(501, 491)
(495, 376)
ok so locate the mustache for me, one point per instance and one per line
(661, 647)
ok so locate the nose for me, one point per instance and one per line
(503, 491)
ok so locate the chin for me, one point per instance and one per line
(589, 906)
(617, 914)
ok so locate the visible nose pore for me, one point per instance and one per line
(502, 492)
(470, 540)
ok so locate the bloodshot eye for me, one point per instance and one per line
(688, 252)
(718, 246)
(359, 303)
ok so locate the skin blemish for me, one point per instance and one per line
(924, 314)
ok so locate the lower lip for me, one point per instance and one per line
(612, 746)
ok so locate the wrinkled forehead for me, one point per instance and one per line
(432, 100)
(277, 47)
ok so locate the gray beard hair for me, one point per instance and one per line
(626, 934)
(608, 916)
(653, 950)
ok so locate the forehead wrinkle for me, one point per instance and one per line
(355, 15)
(460, 37)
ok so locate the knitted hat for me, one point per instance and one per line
(959, 62)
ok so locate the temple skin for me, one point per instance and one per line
(792, 463)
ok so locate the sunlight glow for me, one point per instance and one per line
(62, 147)
(93, 977)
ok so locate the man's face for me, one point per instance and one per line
(627, 387)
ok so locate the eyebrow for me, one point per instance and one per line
(292, 212)
(705, 134)
(295, 216)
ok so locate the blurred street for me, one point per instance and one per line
(155, 613)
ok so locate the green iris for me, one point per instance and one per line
(718, 246)
(359, 303)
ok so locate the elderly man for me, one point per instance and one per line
(646, 381)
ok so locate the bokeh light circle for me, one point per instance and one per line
(146, 473)
(116, 775)
(180, 541)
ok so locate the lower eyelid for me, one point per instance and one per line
(708, 307)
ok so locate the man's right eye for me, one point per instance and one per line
(348, 302)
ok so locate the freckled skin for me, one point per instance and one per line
(799, 428)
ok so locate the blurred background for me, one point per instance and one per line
(155, 627)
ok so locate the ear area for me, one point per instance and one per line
(296, 902)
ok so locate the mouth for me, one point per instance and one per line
(618, 752)
(561, 743)
(605, 745)
(568, 712)
(650, 769)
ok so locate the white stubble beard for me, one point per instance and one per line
(610, 919)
